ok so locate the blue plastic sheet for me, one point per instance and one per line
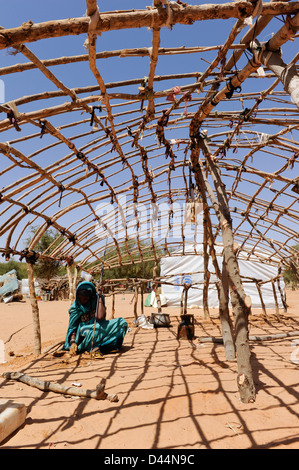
(8, 283)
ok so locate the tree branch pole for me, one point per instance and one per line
(135, 298)
(113, 303)
(269, 54)
(35, 309)
(275, 298)
(47, 386)
(110, 21)
(72, 279)
(207, 274)
(287, 74)
(240, 302)
(214, 339)
(222, 287)
(142, 298)
(155, 284)
(253, 32)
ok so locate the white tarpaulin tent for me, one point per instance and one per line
(25, 288)
(189, 269)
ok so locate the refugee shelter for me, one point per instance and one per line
(115, 120)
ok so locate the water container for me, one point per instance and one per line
(186, 327)
(12, 416)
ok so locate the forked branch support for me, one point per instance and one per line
(47, 386)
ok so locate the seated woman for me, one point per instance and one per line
(88, 330)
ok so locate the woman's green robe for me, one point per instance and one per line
(107, 334)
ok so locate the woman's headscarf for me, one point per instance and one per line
(92, 302)
(77, 309)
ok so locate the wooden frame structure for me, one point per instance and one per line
(132, 141)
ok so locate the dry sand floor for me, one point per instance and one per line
(172, 394)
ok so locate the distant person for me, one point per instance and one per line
(88, 329)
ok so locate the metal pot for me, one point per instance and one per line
(160, 319)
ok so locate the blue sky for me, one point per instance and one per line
(202, 33)
(207, 33)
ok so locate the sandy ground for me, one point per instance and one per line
(171, 394)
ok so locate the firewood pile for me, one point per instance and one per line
(55, 289)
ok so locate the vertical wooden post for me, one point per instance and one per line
(70, 278)
(275, 297)
(226, 323)
(158, 299)
(240, 302)
(113, 302)
(283, 299)
(76, 275)
(157, 293)
(261, 298)
(135, 299)
(142, 298)
(222, 283)
(72, 281)
(35, 309)
(206, 267)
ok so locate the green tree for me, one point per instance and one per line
(129, 269)
(289, 275)
(20, 268)
(46, 268)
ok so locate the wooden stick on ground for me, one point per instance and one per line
(288, 334)
(47, 386)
